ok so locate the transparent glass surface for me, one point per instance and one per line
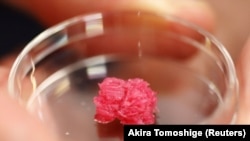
(57, 74)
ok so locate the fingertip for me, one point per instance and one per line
(16, 123)
(243, 71)
(243, 66)
(3, 80)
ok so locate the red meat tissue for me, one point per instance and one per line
(131, 101)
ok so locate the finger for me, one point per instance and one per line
(243, 68)
(16, 124)
(54, 11)
(3, 78)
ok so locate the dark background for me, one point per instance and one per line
(16, 29)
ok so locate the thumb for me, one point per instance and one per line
(243, 68)
(16, 123)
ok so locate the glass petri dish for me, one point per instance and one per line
(56, 76)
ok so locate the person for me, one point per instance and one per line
(17, 124)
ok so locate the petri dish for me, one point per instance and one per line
(56, 76)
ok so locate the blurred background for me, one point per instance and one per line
(233, 26)
(16, 29)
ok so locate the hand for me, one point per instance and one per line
(23, 126)
(243, 70)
